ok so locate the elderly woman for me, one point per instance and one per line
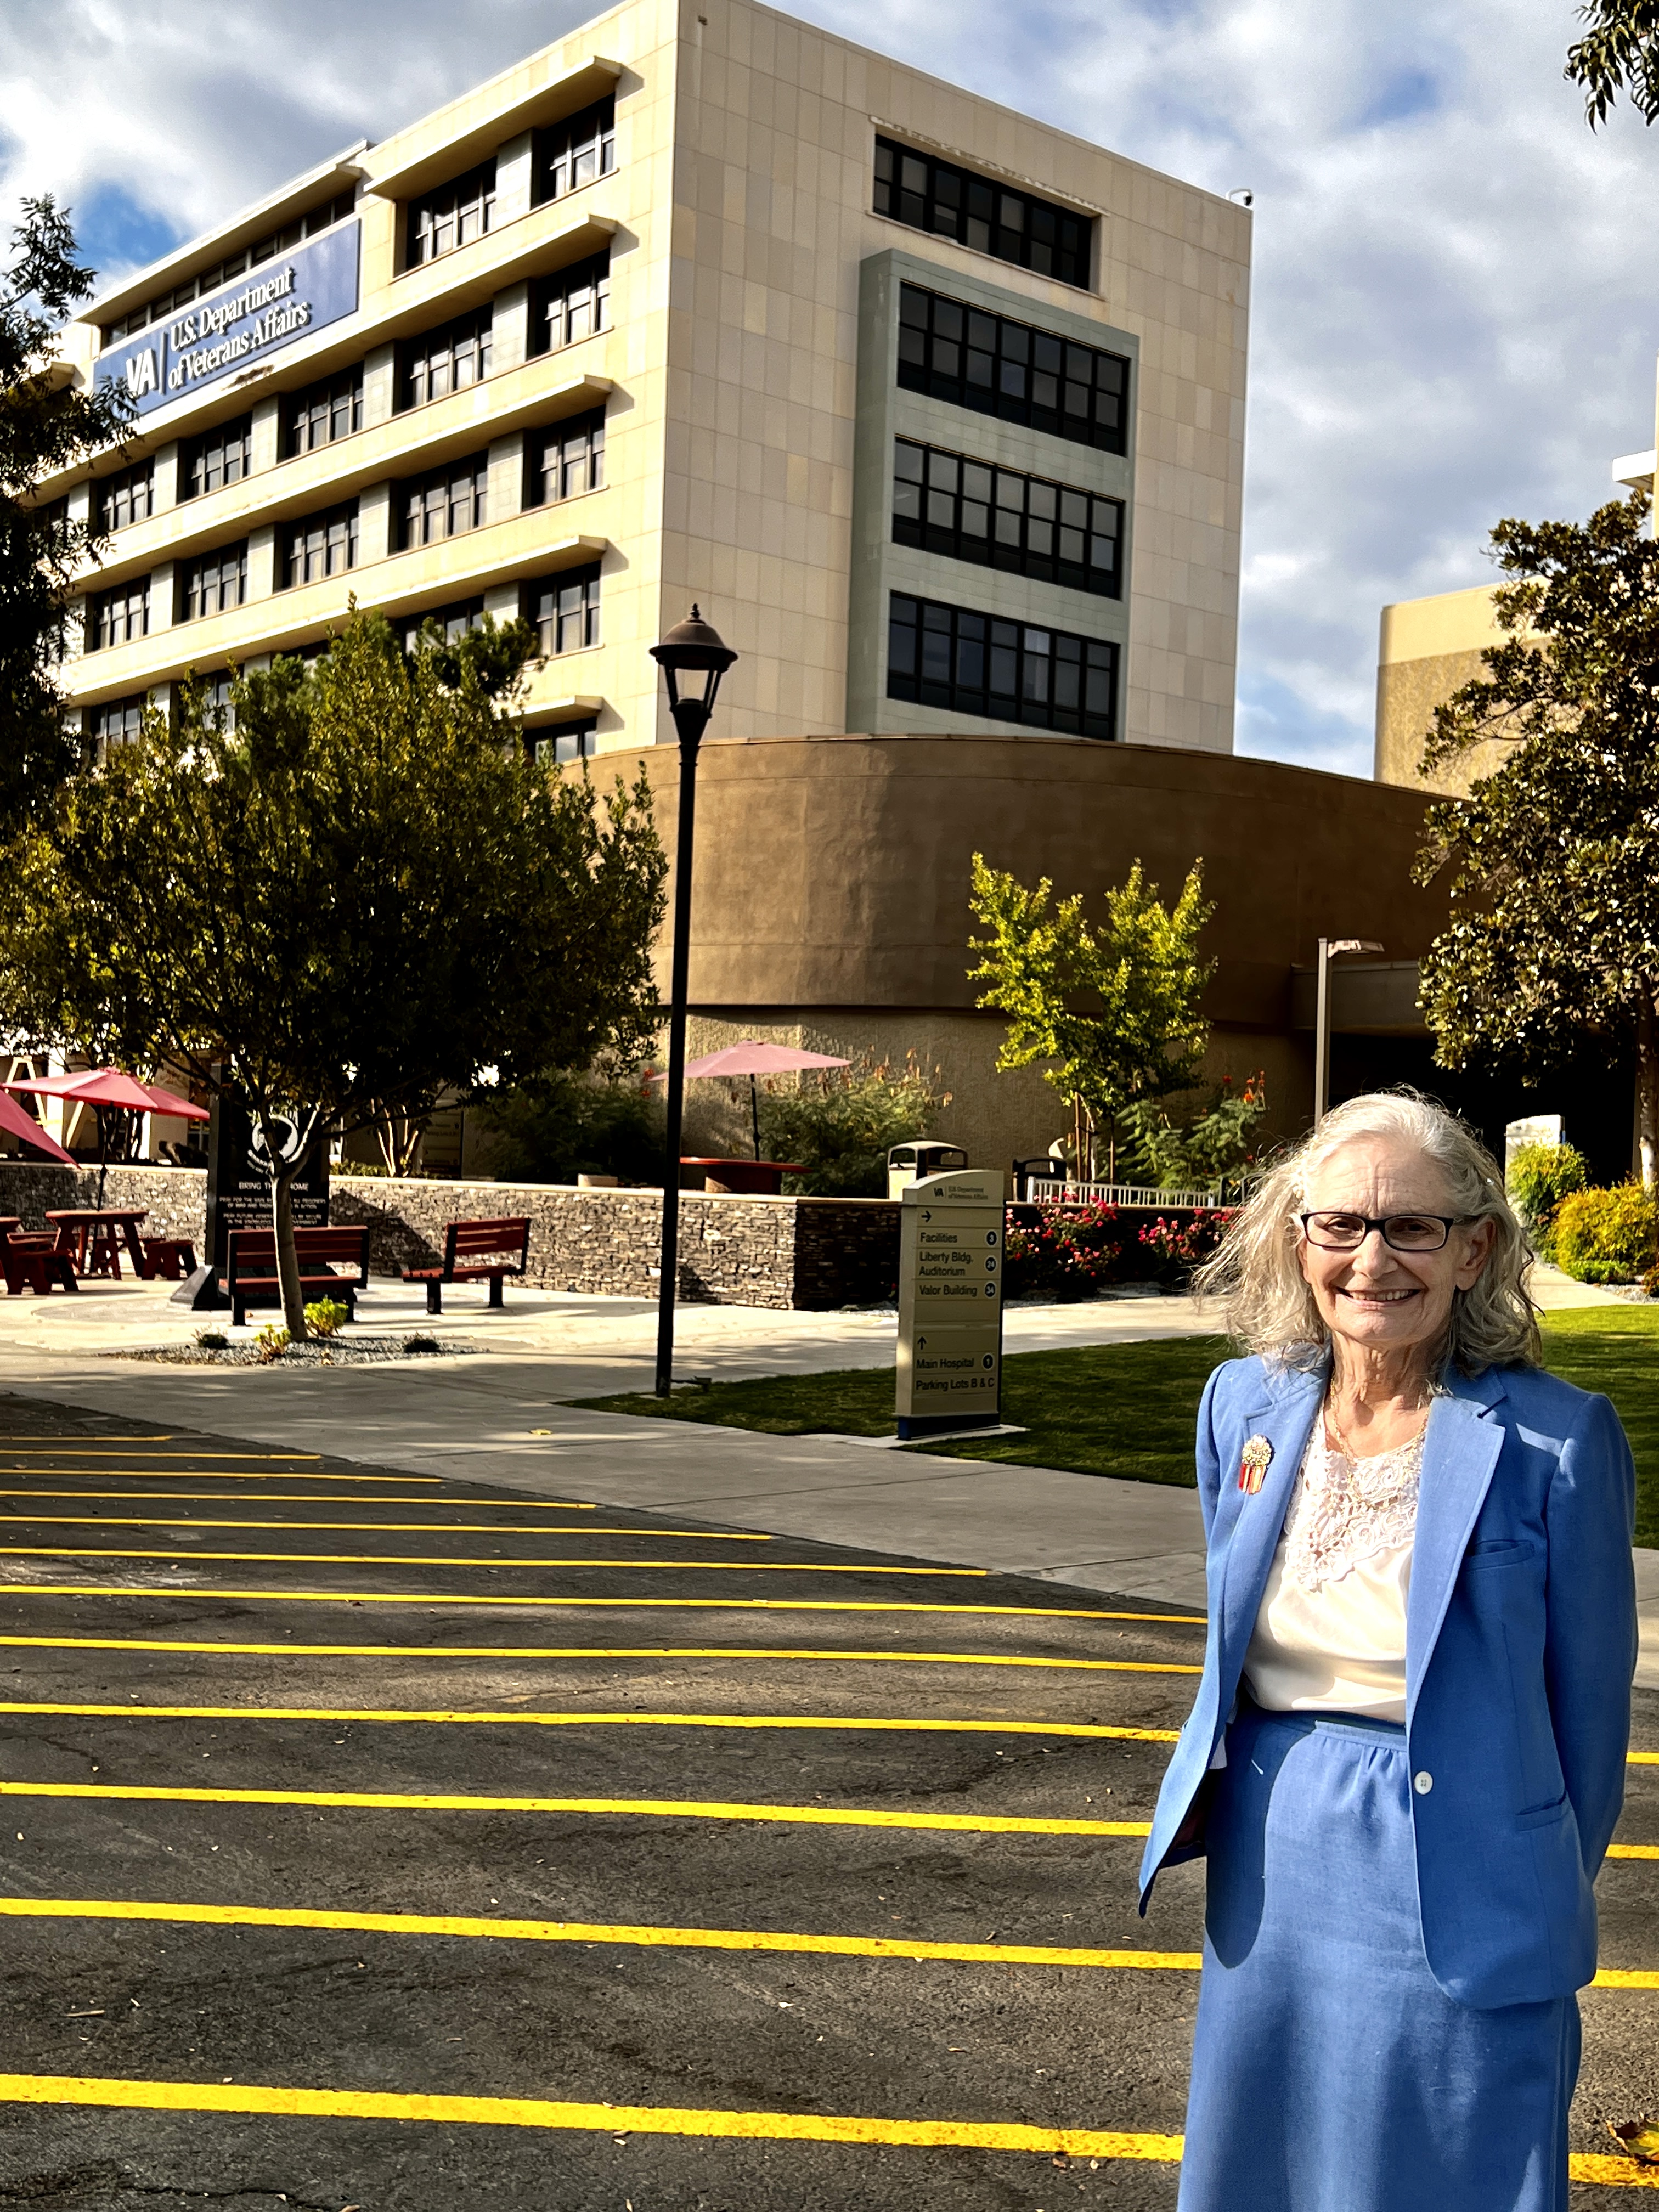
(1407, 1753)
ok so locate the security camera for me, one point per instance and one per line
(1243, 195)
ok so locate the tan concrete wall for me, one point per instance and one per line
(1430, 648)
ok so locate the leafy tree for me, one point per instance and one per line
(839, 1124)
(1114, 1009)
(1619, 53)
(564, 1123)
(1553, 858)
(356, 892)
(1214, 1145)
(47, 424)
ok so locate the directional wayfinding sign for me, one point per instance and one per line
(949, 1302)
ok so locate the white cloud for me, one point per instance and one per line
(1451, 319)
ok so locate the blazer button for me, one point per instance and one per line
(1422, 1783)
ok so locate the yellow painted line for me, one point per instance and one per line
(100, 1447)
(422, 1559)
(1619, 1977)
(1633, 1851)
(1645, 1757)
(1611, 2173)
(581, 1931)
(242, 1474)
(635, 1604)
(566, 1651)
(449, 1716)
(662, 1808)
(606, 2119)
(383, 1528)
(327, 1497)
(37, 1442)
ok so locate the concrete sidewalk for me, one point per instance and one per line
(500, 1415)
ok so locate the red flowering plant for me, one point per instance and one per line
(1067, 1252)
(1179, 1243)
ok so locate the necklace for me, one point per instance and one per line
(1337, 1430)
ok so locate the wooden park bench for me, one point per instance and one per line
(250, 1278)
(33, 1258)
(476, 1252)
(169, 1258)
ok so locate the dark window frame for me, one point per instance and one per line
(421, 499)
(98, 722)
(121, 491)
(965, 662)
(210, 575)
(429, 366)
(989, 216)
(323, 413)
(568, 597)
(989, 363)
(438, 221)
(560, 297)
(561, 742)
(980, 511)
(316, 537)
(132, 600)
(456, 620)
(575, 152)
(558, 451)
(322, 216)
(219, 457)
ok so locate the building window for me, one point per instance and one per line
(564, 609)
(564, 461)
(571, 305)
(322, 413)
(321, 545)
(326, 214)
(446, 503)
(115, 722)
(952, 202)
(974, 664)
(128, 498)
(117, 617)
(442, 360)
(566, 741)
(214, 583)
(451, 622)
(945, 503)
(216, 704)
(1008, 369)
(454, 216)
(216, 458)
(568, 154)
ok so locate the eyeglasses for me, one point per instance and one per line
(1402, 1232)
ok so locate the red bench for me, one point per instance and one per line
(250, 1278)
(476, 1252)
(34, 1259)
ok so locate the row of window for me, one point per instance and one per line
(560, 461)
(1005, 671)
(563, 157)
(949, 202)
(322, 216)
(997, 366)
(565, 308)
(945, 502)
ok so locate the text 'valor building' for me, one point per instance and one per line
(937, 410)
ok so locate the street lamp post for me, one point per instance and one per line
(691, 651)
(1328, 949)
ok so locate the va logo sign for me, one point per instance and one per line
(141, 372)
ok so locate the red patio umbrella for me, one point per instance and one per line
(17, 1123)
(752, 1058)
(107, 1086)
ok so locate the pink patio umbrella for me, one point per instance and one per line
(17, 1123)
(752, 1058)
(107, 1086)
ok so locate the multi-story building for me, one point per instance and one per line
(937, 411)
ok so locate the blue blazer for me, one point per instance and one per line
(1520, 1647)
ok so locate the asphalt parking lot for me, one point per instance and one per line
(372, 1839)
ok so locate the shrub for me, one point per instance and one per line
(565, 1125)
(1067, 1253)
(212, 1339)
(839, 1126)
(1540, 1177)
(1177, 1244)
(272, 1342)
(415, 1346)
(1607, 1236)
(326, 1315)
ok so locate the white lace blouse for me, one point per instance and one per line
(1330, 1635)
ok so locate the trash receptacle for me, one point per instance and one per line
(908, 1163)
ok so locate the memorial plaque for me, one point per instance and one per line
(239, 1179)
(950, 1316)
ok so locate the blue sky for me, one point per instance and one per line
(1452, 317)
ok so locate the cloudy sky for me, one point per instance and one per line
(1455, 314)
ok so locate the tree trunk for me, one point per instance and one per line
(281, 1214)
(1647, 1091)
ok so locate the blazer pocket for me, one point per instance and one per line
(1502, 1552)
(1542, 1816)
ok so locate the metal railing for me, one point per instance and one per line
(1041, 1190)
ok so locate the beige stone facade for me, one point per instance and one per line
(736, 215)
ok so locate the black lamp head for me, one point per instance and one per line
(694, 647)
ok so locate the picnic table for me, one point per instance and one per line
(745, 1178)
(94, 1235)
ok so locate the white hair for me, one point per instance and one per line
(1256, 1273)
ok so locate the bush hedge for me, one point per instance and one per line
(1073, 1252)
(1606, 1236)
(1540, 1177)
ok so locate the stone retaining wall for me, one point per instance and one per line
(812, 1253)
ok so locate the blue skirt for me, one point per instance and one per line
(1331, 2073)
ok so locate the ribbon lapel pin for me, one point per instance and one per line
(1252, 1464)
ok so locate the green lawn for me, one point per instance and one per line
(1127, 1409)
